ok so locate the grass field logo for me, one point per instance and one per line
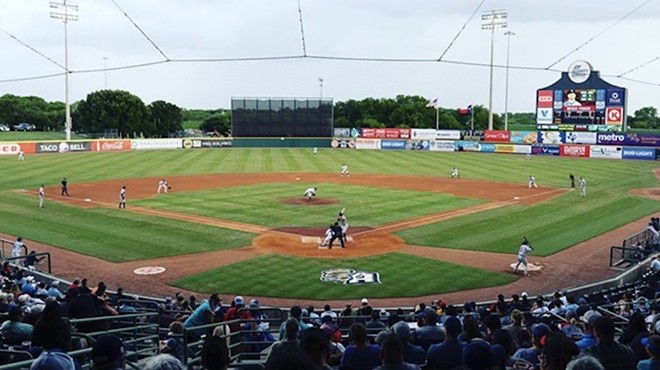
(349, 276)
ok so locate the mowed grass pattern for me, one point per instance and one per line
(262, 204)
(401, 275)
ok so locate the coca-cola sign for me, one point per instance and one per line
(112, 145)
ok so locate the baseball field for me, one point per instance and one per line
(234, 221)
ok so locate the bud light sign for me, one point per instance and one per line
(639, 153)
(393, 144)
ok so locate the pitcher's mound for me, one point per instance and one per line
(314, 202)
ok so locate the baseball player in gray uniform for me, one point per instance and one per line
(525, 248)
(343, 222)
(309, 194)
(582, 183)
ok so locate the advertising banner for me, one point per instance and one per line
(393, 144)
(642, 139)
(423, 134)
(611, 138)
(487, 148)
(9, 148)
(152, 144)
(367, 143)
(503, 148)
(342, 143)
(63, 147)
(465, 145)
(544, 99)
(111, 145)
(386, 133)
(544, 116)
(639, 153)
(580, 138)
(523, 137)
(342, 132)
(550, 137)
(498, 136)
(418, 145)
(602, 151)
(206, 143)
(570, 150)
(448, 135)
(545, 149)
(442, 146)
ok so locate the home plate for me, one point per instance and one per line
(317, 240)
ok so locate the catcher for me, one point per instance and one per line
(164, 186)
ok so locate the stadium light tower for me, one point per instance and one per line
(491, 21)
(508, 35)
(63, 11)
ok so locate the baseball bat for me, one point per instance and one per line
(343, 210)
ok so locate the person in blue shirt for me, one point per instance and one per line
(652, 346)
(448, 354)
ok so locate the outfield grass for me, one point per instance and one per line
(261, 204)
(401, 275)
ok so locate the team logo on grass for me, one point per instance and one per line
(349, 276)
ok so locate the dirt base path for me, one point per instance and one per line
(586, 262)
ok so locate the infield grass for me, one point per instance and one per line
(401, 275)
(261, 204)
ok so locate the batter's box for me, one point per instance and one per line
(317, 240)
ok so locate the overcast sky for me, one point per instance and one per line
(545, 31)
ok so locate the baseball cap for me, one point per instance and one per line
(53, 360)
(540, 330)
(653, 344)
(402, 330)
(590, 318)
(365, 301)
(238, 300)
(108, 348)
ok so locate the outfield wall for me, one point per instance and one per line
(603, 146)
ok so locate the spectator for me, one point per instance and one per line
(411, 353)
(613, 355)
(108, 353)
(588, 337)
(470, 330)
(8, 270)
(86, 306)
(652, 346)
(365, 310)
(396, 317)
(314, 343)
(478, 355)
(203, 315)
(503, 338)
(375, 325)
(83, 287)
(359, 353)
(235, 312)
(539, 331)
(571, 328)
(448, 354)
(30, 286)
(287, 343)
(516, 323)
(328, 311)
(31, 259)
(54, 359)
(429, 333)
(585, 363)
(163, 362)
(491, 323)
(214, 354)
(14, 331)
(557, 352)
(391, 354)
(347, 316)
(636, 325)
(51, 331)
(296, 313)
(174, 345)
(329, 327)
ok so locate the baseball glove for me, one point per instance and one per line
(169, 188)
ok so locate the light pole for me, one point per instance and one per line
(63, 12)
(491, 21)
(508, 35)
(321, 88)
(105, 72)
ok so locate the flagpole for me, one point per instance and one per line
(472, 121)
(437, 117)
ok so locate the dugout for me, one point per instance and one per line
(281, 118)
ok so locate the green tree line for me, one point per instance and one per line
(130, 116)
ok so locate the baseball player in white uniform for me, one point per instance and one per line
(17, 248)
(162, 185)
(531, 182)
(309, 194)
(344, 171)
(42, 195)
(122, 197)
(525, 248)
(21, 155)
(582, 183)
(455, 173)
(343, 222)
(328, 237)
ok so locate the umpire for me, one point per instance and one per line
(336, 234)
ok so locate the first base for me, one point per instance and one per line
(88, 200)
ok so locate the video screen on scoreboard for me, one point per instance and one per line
(578, 106)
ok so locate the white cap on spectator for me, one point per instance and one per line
(365, 301)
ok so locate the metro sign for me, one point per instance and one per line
(614, 116)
